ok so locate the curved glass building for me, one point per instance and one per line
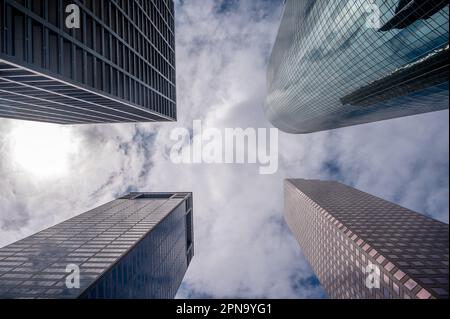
(347, 62)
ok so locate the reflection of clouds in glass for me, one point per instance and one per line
(243, 248)
(332, 53)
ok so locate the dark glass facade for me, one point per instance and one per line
(338, 63)
(118, 66)
(343, 231)
(138, 247)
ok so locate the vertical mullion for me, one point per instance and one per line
(2, 19)
(110, 49)
(8, 31)
(29, 40)
(84, 41)
(117, 72)
(103, 13)
(94, 26)
(46, 46)
(61, 39)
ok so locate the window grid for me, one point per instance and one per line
(127, 248)
(124, 49)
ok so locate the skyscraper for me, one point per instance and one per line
(94, 61)
(361, 246)
(138, 246)
(338, 63)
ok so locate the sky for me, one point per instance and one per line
(49, 173)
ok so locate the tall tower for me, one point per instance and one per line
(361, 246)
(81, 62)
(138, 246)
(338, 63)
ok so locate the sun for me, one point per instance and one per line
(43, 150)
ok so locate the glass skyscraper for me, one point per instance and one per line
(91, 61)
(138, 246)
(363, 247)
(338, 63)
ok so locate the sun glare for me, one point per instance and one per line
(43, 150)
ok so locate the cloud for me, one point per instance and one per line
(243, 248)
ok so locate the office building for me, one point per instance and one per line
(138, 246)
(93, 61)
(363, 247)
(338, 63)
